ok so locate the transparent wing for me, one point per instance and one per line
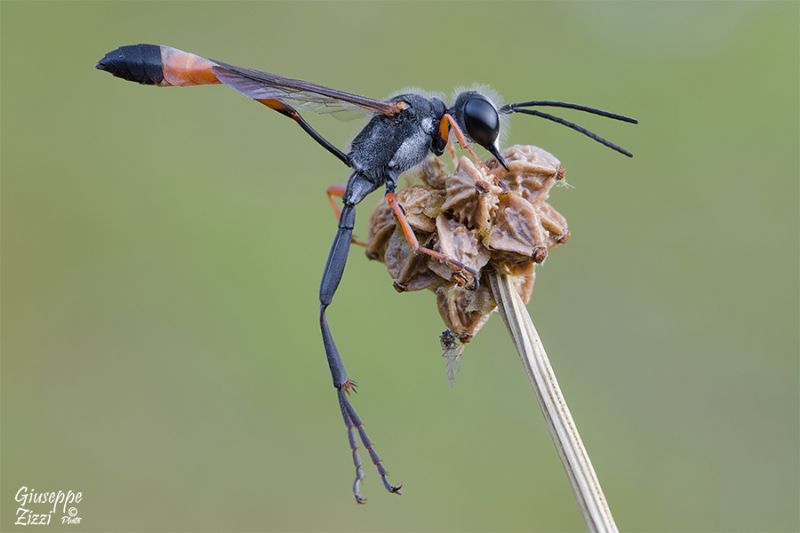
(452, 352)
(341, 112)
(303, 95)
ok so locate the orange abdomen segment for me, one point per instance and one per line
(182, 69)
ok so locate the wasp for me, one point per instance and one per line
(401, 133)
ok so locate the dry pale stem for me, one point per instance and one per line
(562, 427)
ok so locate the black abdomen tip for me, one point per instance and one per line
(138, 62)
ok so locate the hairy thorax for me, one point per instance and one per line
(391, 145)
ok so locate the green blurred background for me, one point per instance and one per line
(161, 253)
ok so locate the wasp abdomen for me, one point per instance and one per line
(151, 64)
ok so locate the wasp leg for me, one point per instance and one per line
(376, 460)
(337, 191)
(460, 270)
(288, 111)
(351, 437)
(451, 152)
(449, 123)
(357, 188)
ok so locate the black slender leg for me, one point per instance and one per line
(365, 440)
(351, 437)
(357, 188)
(288, 111)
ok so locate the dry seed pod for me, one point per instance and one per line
(532, 172)
(470, 196)
(433, 173)
(464, 311)
(458, 242)
(420, 205)
(409, 271)
(486, 220)
(517, 235)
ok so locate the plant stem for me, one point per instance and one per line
(562, 427)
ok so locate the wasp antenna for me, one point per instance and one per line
(574, 127)
(587, 109)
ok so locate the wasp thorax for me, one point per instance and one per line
(496, 220)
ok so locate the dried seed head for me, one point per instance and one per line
(498, 220)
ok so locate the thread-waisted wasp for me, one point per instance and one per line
(401, 133)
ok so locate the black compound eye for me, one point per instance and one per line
(481, 120)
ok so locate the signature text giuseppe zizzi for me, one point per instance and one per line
(37, 508)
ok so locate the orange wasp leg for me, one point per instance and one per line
(451, 152)
(460, 270)
(448, 123)
(337, 191)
